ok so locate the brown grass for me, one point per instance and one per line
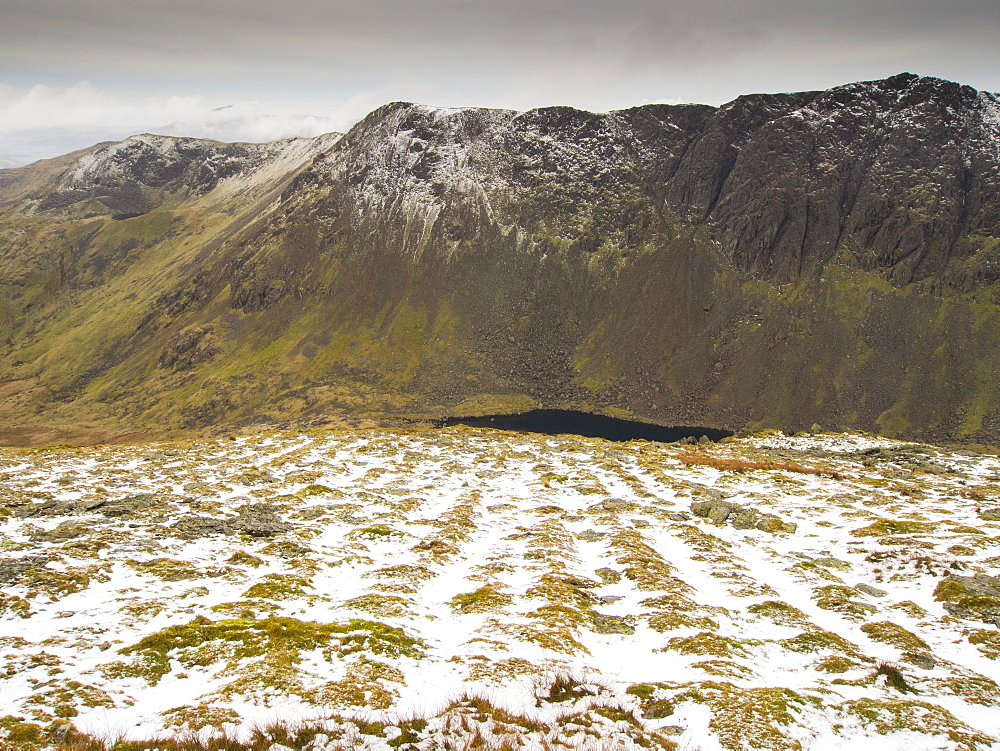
(747, 465)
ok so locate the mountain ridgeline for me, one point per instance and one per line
(782, 260)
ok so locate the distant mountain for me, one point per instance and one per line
(248, 122)
(819, 257)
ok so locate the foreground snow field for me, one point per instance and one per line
(418, 590)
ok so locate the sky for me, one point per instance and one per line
(74, 72)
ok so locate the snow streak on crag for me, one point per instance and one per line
(783, 260)
(422, 588)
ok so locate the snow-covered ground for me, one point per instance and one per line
(409, 587)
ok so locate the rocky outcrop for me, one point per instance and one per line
(721, 512)
(975, 597)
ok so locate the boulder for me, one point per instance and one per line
(740, 517)
(12, 568)
(611, 624)
(974, 597)
(745, 518)
(870, 590)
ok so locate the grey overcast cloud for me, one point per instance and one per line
(73, 72)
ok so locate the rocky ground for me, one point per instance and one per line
(455, 587)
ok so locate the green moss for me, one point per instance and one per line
(62, 695)
(838, 599)
(644, 691)
(706, 643)
(486, 599)
(891, 527)
(965, 602)
(316, 489)
(14, 605)
(837, 664)
(761, 714)
(647, 568)
(887, 716)
(723, 668)
(280, 587)
(987, 642)
(910, 608)
(672, 620)
(962, 550)
(973, 688)
(551, 477)
(277, 641)
(197, 717)
(243, 558)
(406, 572)
(16, 733)
(822, 641)
(891, 633)
(143, 609)
(561, 640)
(376, 532)
(58, 584)
(171, 570)
(779, 612)
(499, 671)
(386, 606)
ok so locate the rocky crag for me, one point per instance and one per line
(783, 260)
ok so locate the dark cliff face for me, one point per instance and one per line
(782, 260)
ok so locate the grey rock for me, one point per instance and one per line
(745, 518)
(609, 599)
(129, 505)
(260, 520)
(721, 511)
(62, 533)
(990, 514)
(716, 511)
(678, 516)
(12, 568)
(658, 709)
(672, 730)
(609, 575)
(589, 535)
(201, 526)
(870, 590)
(922, 660)
(611, 624)
(832, 563)
(254, 477)
(975, 597)
(741, 517)
(701, 508)
(256, 520)
(640, 523)
(774, 524)
(288, 550)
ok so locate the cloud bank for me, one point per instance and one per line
(46, 121)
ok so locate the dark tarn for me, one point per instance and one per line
(555, 421)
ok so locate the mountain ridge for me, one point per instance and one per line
(780, 260)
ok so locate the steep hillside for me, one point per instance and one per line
(782, 260)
